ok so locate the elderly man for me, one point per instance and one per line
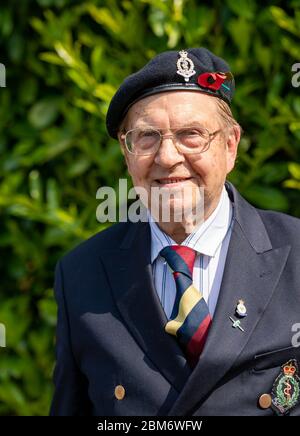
(196, 316)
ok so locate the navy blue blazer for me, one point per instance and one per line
(110, 327)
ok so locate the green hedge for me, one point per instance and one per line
(64, 60)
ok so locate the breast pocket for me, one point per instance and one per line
(275, 358)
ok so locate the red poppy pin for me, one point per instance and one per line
(213, 80)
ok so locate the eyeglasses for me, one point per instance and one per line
(188, 140)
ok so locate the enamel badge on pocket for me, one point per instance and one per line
(286, 388)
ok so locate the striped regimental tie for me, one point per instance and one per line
(190, 319)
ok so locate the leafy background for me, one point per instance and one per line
(64, 60)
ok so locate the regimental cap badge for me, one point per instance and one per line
(286, 388)
(241, 309)
(185, 66)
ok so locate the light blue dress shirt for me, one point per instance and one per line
(210, 240)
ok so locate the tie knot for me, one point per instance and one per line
(180, 258)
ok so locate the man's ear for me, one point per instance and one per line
(232, 143)
(121, 139)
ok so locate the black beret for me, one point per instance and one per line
(195, 69)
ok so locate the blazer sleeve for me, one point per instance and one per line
(71, 388)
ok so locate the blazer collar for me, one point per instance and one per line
(249, 221)
(252, 270)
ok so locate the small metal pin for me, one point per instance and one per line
(236, 323)
(241, 310)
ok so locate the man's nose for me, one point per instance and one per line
(168, 155)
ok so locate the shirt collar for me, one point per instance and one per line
(206, 239)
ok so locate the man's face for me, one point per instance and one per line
(208, 170)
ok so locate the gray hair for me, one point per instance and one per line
(226, 115)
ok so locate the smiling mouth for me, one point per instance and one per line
(172, 180)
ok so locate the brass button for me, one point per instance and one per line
(265, 401)
(119, 392)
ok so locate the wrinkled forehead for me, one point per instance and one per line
(174, 108)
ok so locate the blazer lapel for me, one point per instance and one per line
(129, 271)
(252, 270)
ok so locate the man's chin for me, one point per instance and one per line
(177, 212)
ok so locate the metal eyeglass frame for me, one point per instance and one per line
(175, 142)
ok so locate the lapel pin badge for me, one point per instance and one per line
(241, 310)
(236, 323)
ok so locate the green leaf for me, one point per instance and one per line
(294, 169)
(105, 17)
(266, 197)
(282, 19)
(241, 32)
(44, 113)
